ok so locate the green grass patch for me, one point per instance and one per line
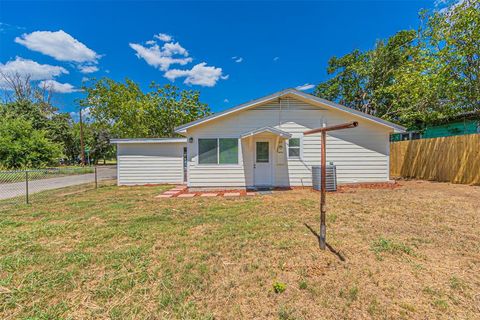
(383, 245)
(121, 253)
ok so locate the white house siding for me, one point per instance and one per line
(150, 163)
(361, 154)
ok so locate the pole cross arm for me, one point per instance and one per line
(323, 183)
(347, 125)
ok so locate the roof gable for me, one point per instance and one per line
(297, 94)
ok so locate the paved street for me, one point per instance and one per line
(12, 190)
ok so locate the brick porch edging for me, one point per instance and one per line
(181, 191)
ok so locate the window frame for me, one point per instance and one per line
(300, 148)
(218, 152)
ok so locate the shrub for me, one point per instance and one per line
(279, 287)
(22, 146)
(303, 285)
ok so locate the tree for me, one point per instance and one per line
(361, 79)
(454, 35)
(27, 100)
(415, 77)
(171, 107)
(21, 146)
(60, 129)
(100, 140)
(128, 112)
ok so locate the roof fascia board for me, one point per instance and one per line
(153, 140)
(349, 110)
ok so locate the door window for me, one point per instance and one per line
(262, 154)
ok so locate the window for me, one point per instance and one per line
(228, 151)
(218, 151)
(207, 151)
(294, 148)
(262, 152)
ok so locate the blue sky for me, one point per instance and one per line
(231, 51)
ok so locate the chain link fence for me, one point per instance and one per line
(25, 186)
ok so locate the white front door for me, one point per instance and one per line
(263, 163)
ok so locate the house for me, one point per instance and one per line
(454, 125)
(261, 143)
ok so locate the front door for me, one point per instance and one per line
(262, 166)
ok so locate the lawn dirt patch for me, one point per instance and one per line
(410, 251)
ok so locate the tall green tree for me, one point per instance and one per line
(361, 80)
(454, 35)
(125, 111)
(416, 77)
(27, 100)
(22, 146)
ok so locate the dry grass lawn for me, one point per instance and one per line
(411, 252)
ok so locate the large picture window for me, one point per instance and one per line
(294, 148)
(218, 151)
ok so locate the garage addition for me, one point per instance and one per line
(150, 161)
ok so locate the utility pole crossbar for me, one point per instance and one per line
(323, 208)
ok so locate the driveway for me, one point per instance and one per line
(17, 189)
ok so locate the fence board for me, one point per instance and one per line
(450, 159)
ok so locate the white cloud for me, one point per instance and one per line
(26, 67)
(172, 53)
(85, 79)
(237, 59)
(200, 74)
(59, 45)
(162, 58)
(86, 114)
(87, 68)
(163, 37)
(276, 59)
(306, 86)
(56, 86)
(174, 48)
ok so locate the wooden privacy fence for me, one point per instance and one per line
(451, 159)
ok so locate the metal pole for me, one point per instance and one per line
(323, 209)
(96, 180)
(323, 171)
(26, 186)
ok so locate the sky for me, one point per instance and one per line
(232, 52)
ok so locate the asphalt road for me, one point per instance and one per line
(12, 190)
